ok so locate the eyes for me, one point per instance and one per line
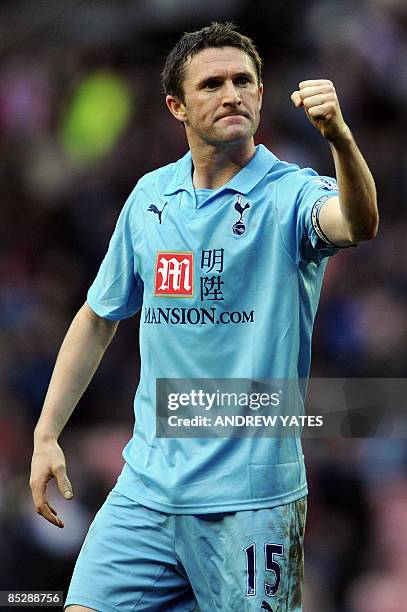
(239, 81)
(242, 80)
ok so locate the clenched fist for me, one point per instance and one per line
(321, 105)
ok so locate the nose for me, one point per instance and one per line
(231, 95)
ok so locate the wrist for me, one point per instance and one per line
(42, 435)
(342, 139)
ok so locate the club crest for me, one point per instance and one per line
(239, 228)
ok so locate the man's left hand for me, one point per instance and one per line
(321, 105)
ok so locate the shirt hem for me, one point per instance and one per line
(102, 312)
(96, 604)
(214, 508)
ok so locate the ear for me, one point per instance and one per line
(176, 108)
(261, 89)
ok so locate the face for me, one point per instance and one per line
(222, 98)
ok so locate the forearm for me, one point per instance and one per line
(353, 217)
(78, 358)
(357, 192)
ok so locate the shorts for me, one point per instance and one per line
(136, 558)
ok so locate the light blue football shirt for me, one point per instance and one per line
(228, 282)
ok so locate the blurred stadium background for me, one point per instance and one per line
(82, 117)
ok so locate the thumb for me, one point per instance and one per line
(296, 98)
(63, 483)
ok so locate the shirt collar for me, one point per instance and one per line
(243, 182)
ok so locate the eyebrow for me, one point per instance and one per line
(220, 77)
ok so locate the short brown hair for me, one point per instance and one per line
(191, 43)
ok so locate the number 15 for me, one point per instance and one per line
(271, 565)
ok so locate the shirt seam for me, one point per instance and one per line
(279, 227)
(137, 276)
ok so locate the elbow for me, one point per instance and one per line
(375, 227)
(366, 232)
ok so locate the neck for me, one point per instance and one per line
(214, 166)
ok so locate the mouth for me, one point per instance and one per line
(235, 116)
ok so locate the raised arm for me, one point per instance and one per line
(353, 217)
(81, 352)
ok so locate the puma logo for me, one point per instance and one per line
(153, 208)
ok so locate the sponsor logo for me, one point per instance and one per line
(195, 316)
(326, 184)
(239, 227)
(154, 209)
(173, 275)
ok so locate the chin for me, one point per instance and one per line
(234, 136)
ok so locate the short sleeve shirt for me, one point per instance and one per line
(228, 283)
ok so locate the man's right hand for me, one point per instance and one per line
(48, 462)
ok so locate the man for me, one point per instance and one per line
(224, 251)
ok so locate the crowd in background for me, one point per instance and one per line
(82, 118)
